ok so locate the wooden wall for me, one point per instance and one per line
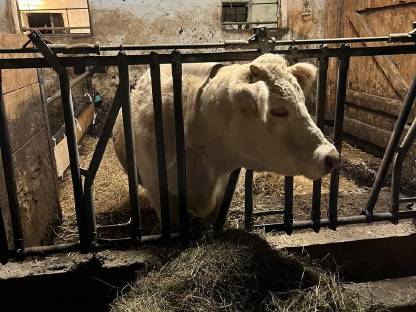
(30, 138)
(376, 85)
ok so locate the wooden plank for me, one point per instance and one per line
(377, 103)
(367, 132)
(36, 190)
(61, 149)
(384, 62)
(24, 113)
(14, 79)
(378, 4)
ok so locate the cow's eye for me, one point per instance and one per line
(279, 113)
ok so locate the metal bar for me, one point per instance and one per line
(180, 146)
(53, 28)
(96, 160)
(338, 128)
(268, 212)
(402, 37)
(226, 200)
(250, 23)
(391, 148)
(307, 224)
(9, 176)
(248, 200)
(407, 199)
(83, 215)
(123, 69)
(17, 63)
(160, 144)
(320, 121)
(288, 213)
(397, 170)
(73, 83)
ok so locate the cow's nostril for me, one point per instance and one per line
(332, 161)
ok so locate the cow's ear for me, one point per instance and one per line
(255, 70)
(252, 98)
(305, 73)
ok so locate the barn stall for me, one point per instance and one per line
(268, 189)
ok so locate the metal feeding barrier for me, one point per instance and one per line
(83, 179)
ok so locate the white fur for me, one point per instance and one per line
(230, 127)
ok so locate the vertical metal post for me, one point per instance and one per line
(226, 201)
(338, 128)
(248, 200)
(288, 213)
(83, 215)
(320, 120)
(160, 144)
(123, 70)
(397, 170)
(9, 176)
(180, 146)
(391, 148)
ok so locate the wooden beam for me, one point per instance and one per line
(366, 132)
(84, 120)
(385, 63)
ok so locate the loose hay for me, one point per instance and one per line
(239, 272)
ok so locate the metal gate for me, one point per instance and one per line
(83, 179)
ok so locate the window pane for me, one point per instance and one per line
(241, 18)
(242, 10)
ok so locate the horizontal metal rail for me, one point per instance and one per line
(230, 44)
(71, 61)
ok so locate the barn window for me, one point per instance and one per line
(246, 14)
(52, 17)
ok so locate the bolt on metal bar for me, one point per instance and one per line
(288, 214)
(320, 121)
(180, 146)
(226, 201)
(391, 148)
(123, 69)
(160, 144)
(248, 200)
(9, 176)
(397, 169)
(338, 128)
(68, 109)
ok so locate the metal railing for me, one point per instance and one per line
(83, 179)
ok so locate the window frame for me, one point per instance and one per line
(66, 30)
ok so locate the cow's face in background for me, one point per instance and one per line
(272, 129)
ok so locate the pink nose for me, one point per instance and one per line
(332, 160)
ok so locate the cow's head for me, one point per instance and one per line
(271, 129)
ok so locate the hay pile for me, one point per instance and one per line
(238, 272)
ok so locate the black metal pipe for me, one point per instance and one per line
(391, 148)
(123, 69)
(226, 200)
(320, 122)
(397, 170)
(269, 212)
(288, 214)
(16, 63)
(307, 224)
(10, 178)
(83, 215)
(95, 163)
(160, 144)
(96, 49)
(180, 146)
(248, 200)
(338, 128)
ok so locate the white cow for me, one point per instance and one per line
(247, 115)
